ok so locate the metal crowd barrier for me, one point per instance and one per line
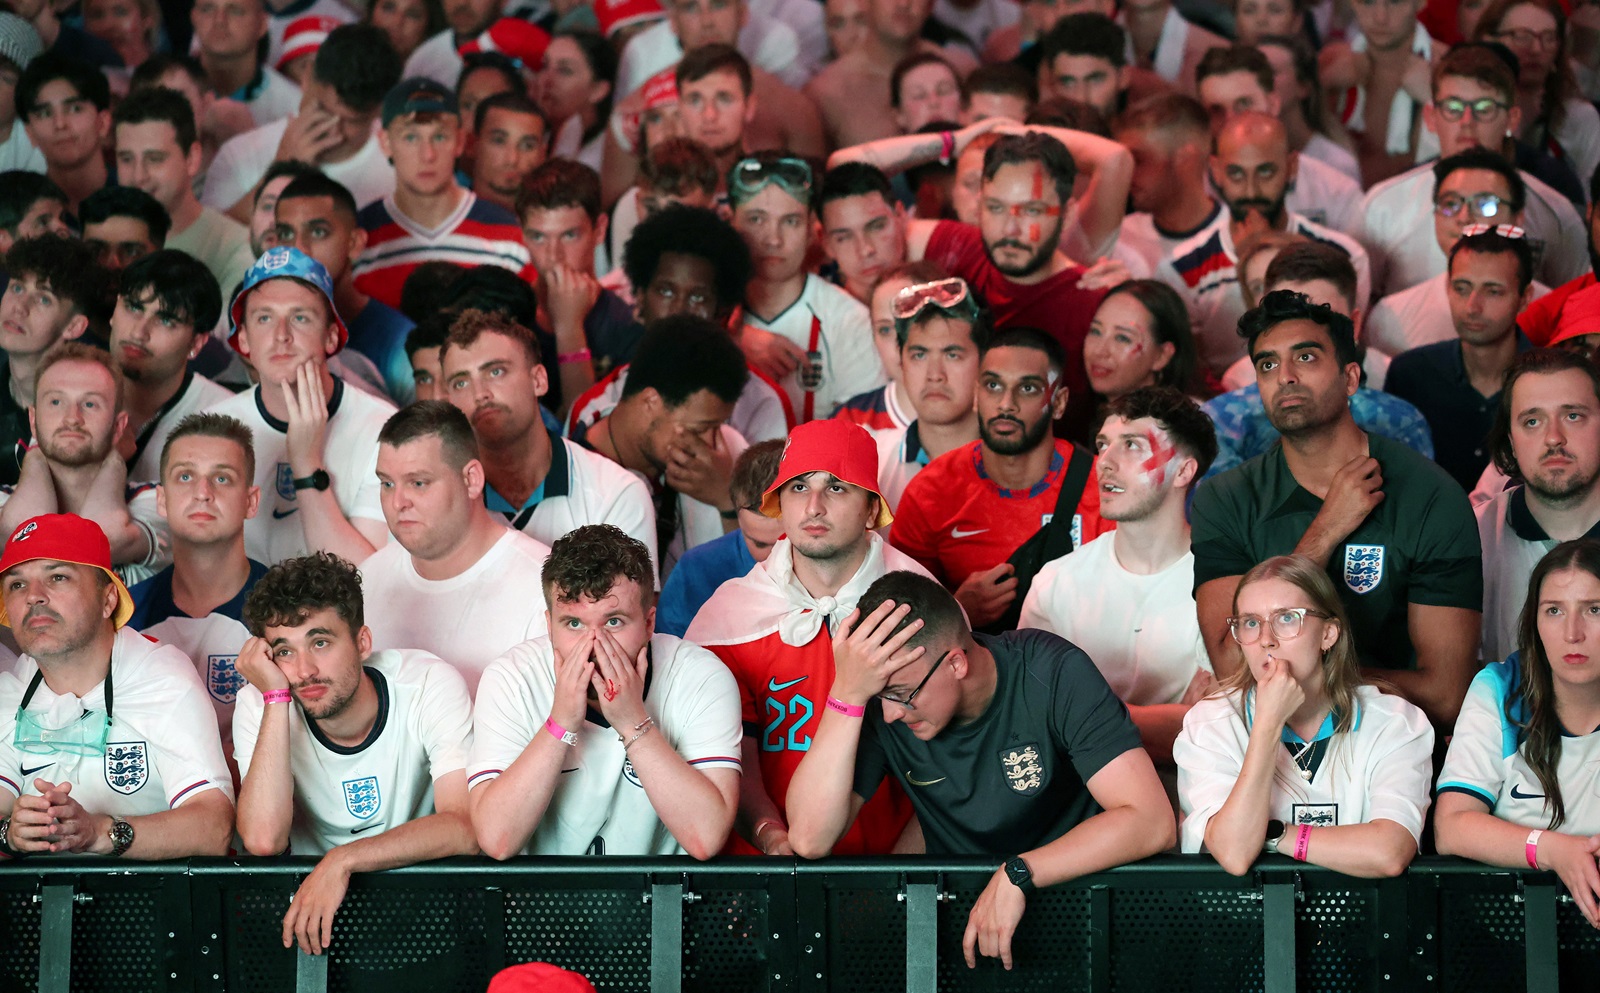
(1169, 924)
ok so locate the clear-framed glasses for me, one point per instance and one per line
(1483, 206)
(1287, 624)
(1528, 38)
(952, 296)
(1483, 109)
(908, 702)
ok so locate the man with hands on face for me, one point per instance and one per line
(316, 441)
(604, 738)
(1010, 746)
(334, 740)
(75, 467)
(91, 764)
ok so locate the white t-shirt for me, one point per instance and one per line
(468, 620)
(221, 243)
(1379, 769)
(1486, 759)
(350, 455)
(17, 151)
(423, 733)
(437, 59)
(1326, 196)
(978, 20)
(276, 99)
(1579, 135)
(163, 748)
(1139, 234)
(244, 159)
(1398, 216)
(850, 362)
(769, 44)
(582, 488)
(599, 806)
(1139, 630)
(196, 394)
(1324, 149)
(1417, 316)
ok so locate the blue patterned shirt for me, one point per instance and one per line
(1243, 431)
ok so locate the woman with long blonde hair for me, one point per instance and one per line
(1294, 754)
(1521, 782)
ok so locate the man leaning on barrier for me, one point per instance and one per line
(1009, 746)
(108, 744)
(354, 755)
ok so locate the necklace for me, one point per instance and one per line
(1306, 750)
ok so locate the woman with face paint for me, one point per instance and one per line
(1294, 754)
(1139, 337)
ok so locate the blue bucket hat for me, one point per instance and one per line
(285, 263)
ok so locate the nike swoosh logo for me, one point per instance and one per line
(773, 686)
(279, 515)
(918, 782)
(29, 772)
(366, 827)
(958, 533)
(573, 769)
(1525, 796)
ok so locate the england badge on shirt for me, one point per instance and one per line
(285, 481)
(361, 796)
(1023, 771)
(1363, 567)
(127, 766)
(222, 677)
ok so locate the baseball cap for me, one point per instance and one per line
(1580, 315)
(304, 36)
(19, 42)
(284, 263)
(614, 15)
(64, 538)
(514, 38)
(844, 449)
(418, 95)
(538, 977)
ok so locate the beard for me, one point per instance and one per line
(1032, 436)
(1562, 490)
(1038, 260)
(1271, 211)
(1307, 418)
(76, 455)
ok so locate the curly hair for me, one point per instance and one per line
(1183, 420)
(68, 267)
(696, 231)
(293, 589)
(1281, 306)
(473, 324)
(585, 563)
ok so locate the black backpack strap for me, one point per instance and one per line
(1058, 536)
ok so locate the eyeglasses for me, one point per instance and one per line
(750, 176)
(952, 296)
(1503, 230)
(1483, 109)
(1484, 206)
(1528, 38)
(907, 702)
(1286, 624)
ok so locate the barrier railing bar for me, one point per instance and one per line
(1539, 921)
(666, 936)
(1100, 950)
(922, 937)
(1277, 935)
(55, 937)
(310, 973)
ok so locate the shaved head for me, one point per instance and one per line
(1262, 133)
(1253, 168)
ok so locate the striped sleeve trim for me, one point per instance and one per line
(484, 776)
(183, 794)
(9, 784)
(1476, 792)
(732, 761)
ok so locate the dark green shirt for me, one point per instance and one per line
(1419, 545)
(1013, 779)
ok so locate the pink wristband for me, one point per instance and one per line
(277, 696)
(560, 733)
(1302, 842)
(834, 703)
(1531, 849)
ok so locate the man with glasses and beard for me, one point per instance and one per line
(963, 515)
(1391, 527)
(1546, 436)
(1011, 260)
(1252, 168)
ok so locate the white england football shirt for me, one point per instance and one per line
(849, 361)
(196, 394)
(468, 620)
(350, 454)
(341, 794)
(163, 747)
(599, 806)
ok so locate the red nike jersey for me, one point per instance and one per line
(783, 691)
(956, 521)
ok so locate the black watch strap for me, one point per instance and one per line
(1020, 875)
(318, 480)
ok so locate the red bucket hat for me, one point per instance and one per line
(839, 447)
(64, 538)
(538, 977)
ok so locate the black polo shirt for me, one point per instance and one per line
(1434, 379)
(1419, 545)
(1013, 779)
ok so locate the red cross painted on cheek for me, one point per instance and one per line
(1161, 453)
